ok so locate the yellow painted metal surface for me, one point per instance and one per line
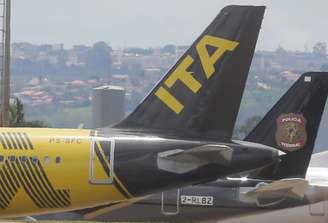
(31, 182)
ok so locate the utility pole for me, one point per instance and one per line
(5, 74)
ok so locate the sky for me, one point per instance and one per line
(292, 24)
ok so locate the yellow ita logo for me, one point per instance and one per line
(181, 72)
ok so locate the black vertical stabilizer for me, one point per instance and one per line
(292, 124)
(200, 95)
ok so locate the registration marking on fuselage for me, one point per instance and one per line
(197, 200)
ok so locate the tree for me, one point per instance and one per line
(140, 51)
(16, 116)
(320, 49)
(324, 67)
(243, 130)
(16, 113)
(281, 51)
(171, 49)
(99, 60)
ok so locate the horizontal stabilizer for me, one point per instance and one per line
(182, 161)
(293, 188)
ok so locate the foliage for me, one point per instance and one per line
(17, 119)
(281, 51)
(324, 67)
(243, 130)
(99, 59)
(171, 49)
(320, 49)
(65, 117)
(140, 51)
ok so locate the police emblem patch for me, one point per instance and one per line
(291, 132)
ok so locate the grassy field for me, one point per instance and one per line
(65, 117)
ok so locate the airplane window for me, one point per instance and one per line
(35, 159)
(58, 159)
(24, 159)
(12, 158)
(46, 159)
(1, 158)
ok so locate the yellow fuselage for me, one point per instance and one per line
(48, 170)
